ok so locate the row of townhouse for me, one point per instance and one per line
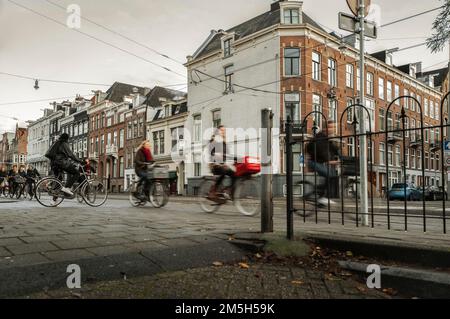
(297, 67)
(109, 128)
(13, 147)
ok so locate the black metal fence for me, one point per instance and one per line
(405, 161)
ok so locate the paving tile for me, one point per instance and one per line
(23, 260)
(31, 248)
(10, 241)
(4, 252)
(67, 255)
(40, 239)
(72, 244)
(111, 241)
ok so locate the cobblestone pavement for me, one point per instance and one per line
(268, 281)
(31, 234)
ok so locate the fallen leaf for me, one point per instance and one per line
(217, 263)
(349, 254)
(297, 282)
(361, 289)
(244, 266)
(258, 256)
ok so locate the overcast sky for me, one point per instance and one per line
(33, 46)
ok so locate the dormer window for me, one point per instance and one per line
(227, 48)
(291, 16)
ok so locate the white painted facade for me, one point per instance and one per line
(241, 109)
(39, 142)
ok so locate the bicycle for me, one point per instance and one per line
(245, 195)
(158, 192)
(93, 192)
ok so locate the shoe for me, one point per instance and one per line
(53, 202)
(67, 191)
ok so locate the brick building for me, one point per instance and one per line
(107, 131)
(298, 67)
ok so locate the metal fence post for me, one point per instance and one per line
(266, 172)
(289, 180)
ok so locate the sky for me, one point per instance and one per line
(36, 47)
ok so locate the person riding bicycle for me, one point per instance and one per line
(12, 175)
(219, 153)
(32, 175)
(323, 155)
(3, 177)
(63, 159)
(142, 158)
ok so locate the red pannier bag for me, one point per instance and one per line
(249, 166)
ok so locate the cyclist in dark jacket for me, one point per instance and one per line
(32, 175)
(63, 159)
(323, 154)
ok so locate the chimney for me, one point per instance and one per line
(275, 5)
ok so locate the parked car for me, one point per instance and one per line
(435, 193)
(397, 192)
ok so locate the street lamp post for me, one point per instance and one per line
(364, 211)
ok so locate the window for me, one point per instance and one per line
(389, 91)
(109, 140)
(229, 79)
(291, 16)
(114, 141)
(381, 88)
(297, 155)
(158, 142)
(349, 75)
(437, 111)
(390, 155)
(369, 80)
(121, 138)
(407, 158)
(351, 146)
(114, 168)
(419, 109)
(291, 62)
(109, 121)
(413, 102)
(413, 158)
(350, 111)
(332, 73)
(406, 93)
(358, 79)
(427, 163)
(129, 131)
(382, 148)
(85, 127)
(177, 137)
(216, 119)
(121, 167)
(141, 127)
(413, 131)
(227, 48)
(406, 127)
(397, 93)
(197, 169)
(197, 128)
(332, 116)
(317, 107)
(432, 109)
(419, 160)
(382, 119)
(397, 155)
(316, 71)
(292, 106)
(102, 144)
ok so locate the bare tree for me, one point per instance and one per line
(441, 29)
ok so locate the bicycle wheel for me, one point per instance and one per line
(247, 196)
(48, 192)
(135, 188)
(207, 205)
(94, 193)
(303, 196)
(158, 194)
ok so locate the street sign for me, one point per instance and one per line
(354, 7)
(349, 23)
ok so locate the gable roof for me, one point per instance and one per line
(247, 28)
(439, 75)
(153, 98)
(118, 90)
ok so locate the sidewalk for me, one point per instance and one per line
(245, 281)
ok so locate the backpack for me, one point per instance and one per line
(52, 151)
